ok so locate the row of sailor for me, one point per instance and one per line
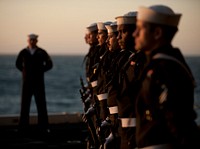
(134, 99)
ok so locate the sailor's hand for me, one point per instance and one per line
(90, 111)
(106, 123)
(84, 118)
(109, 141)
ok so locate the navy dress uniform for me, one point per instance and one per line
(125, 77)
(97, 79)
(164, 109)
(33, 62)
(104, 63)
(112, 141)
(99, 74)
(92, 32)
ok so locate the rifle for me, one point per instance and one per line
(93, 138)
(82, 84)
(85, 95)
(97, 133)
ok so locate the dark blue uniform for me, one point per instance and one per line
(33, 68)
(165, 113)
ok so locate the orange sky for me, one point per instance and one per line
(61, 23)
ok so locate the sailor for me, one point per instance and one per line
(33, 61)
(99, 74)
(113, 140)
(89, 116)
(125, 28)
(164, 110)
(99, 51)
(102, 67)
(91, 32)
(98, 107)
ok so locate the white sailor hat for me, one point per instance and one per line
(159, 14)
(128, 18)
(101, 25)
(92, 27)
(112, 27)
(33, 36)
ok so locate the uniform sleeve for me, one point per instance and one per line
(171, 93)
(48, 64)
(19, 62)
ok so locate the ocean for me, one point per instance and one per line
(62, 85)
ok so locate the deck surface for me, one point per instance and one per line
(65, 131)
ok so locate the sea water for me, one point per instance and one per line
(62, 84)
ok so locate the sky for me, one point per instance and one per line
(61, 24)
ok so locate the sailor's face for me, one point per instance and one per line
(102, 37)
(124, 36)
(112, 42)
(143, 36)
(92, 38)
(86, 37)
(32, 42)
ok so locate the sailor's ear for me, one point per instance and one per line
(158, 33)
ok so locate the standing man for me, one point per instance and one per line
(164, 110)
(124, 81)
(89, 117)
(92, 32)
(100, 92)
(33, 62)
(101, 59)
(113, 140)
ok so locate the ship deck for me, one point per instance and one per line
(66, 130)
